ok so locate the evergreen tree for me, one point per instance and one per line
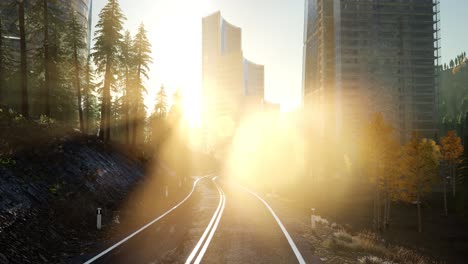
(5, 62)
(47, 60)
(160, 108)
(88, 98)
(50, 72)
(43, 18)
(75, 42)
(108, 39)
(128, 72)
(175, 113)
(2, 61)
(158, 125)
(142, 49)
(23, 64)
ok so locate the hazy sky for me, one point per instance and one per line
(272, 34)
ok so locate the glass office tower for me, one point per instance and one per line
(362, 57)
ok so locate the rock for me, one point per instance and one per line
(35, 224)
(3, 259)
(43, 258)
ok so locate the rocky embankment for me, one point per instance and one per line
(49, 195)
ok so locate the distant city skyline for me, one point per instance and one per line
(273, 36)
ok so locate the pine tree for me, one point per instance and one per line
(108, 39)
(75, 42)
(50, 71)
(47, 59)
(2, 61)
(128, 72)
(175, 113)
(5, 62)
(158, 122)
(160, 108)
(23, 63)
(142, 49)
(88, 97)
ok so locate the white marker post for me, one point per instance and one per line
(312, 218)
(166, 191)
(99, 218)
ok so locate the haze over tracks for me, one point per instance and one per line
(219, 223)
(248, 233)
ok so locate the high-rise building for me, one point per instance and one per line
(254, 83)
(228, 80)
(365, 56)
(254, 87)
(222, 69)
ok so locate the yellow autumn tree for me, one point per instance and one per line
(380, 156)
(420, 164)
(452, 150)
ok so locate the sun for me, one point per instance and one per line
(192, 107)
(175, 36)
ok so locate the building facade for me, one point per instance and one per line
(254, 87)
(228, 80)
(254, 79)
(362, 57)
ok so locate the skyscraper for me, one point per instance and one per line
(371, 56)
(227, 78)
(254, 87)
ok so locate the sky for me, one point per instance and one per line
(272, 35)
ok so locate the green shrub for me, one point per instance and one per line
(45, 121)
(6, 161)
(54, 189)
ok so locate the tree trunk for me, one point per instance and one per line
(87, 99)
(78, 87)
(379, 213)
(135, 126)
(386, 212)
(46, 59)
(377, 223)
(384, 220)
(127, 120)
(24, 66)
(108, 114)
(445, 198)
(389, 206)
(127, 108)
(1, 61)
(419, 214)
(104, 131)
(136, 106)
(454, 180)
